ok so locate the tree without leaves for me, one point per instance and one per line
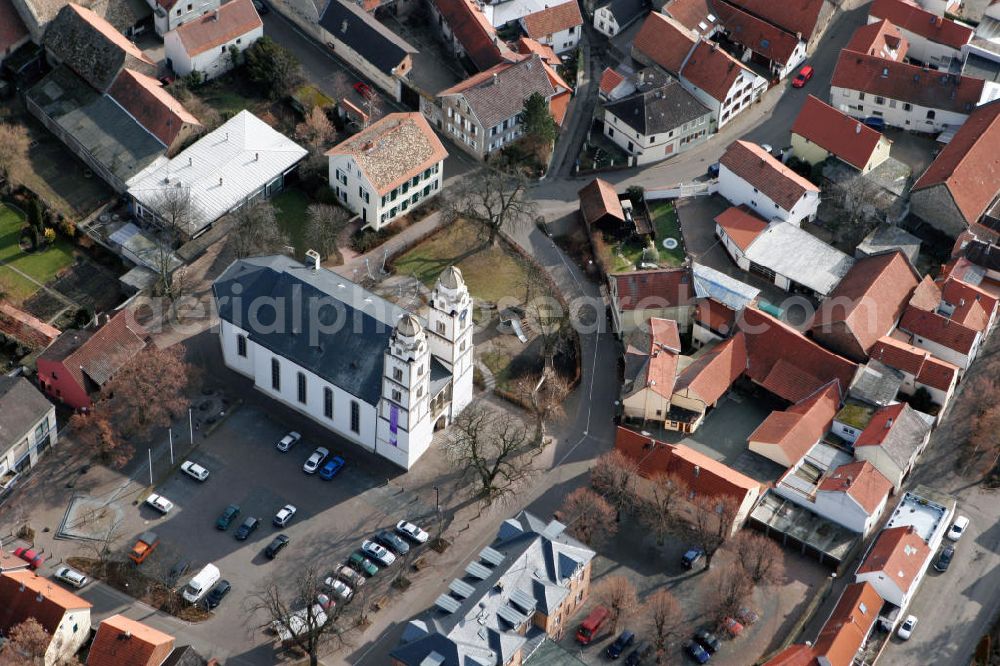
(544, 399)
(273, 67)
(730, 588)
(93, 432)
(618, 595)
(588, 516)
(712, 521)
(488, 450)
(663, 613)
(14, 143)
(372, 107)
(495, 198)
(149, 392)
(614, 475)
(659, 507)
(26, 644)
(324, 224)
(761, 558)
(257, 231)
(316, 130)
(178, 216)
(856, 203)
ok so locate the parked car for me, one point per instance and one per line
(697, 652)
(339, 587)
(393, 542)
(261, 8)
(325, 602)
(180, 568)
(363, 89)
(332, 468)
(876, 123)
(160, 503)
(802, 77)
(958, 528)
(217, 593)
(713, 170)
(350, 576)
(639, 655)
(412, 532)
(362, 564)
(194, 470)
(288, 441)
(708, 640)
(284, 515)
(246, 528)
(767, 148)
(201, 583)
(906, 629)
(33, 559)
(624, 640)
(591, 625)
(227, 517)
(315, 460)
(732, 627)
(144, 545)
(277, 544)
(692, 557)
(747, 615)
(944, 558)
(71, 576)
(378, 553)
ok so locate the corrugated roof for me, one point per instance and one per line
(710, 283)
(799, 256)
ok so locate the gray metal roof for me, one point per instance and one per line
(21, 407)
(365, 35)
(490, 556)
(461, 589)
(477, 570)
(906, 436)
(659, 110)
(710, 283)
(354, 325)
(876, 383)
(799, 256)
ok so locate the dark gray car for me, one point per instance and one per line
(392, 542)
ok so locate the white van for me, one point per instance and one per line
(201, 583)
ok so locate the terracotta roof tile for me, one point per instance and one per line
(218, 27)
(714, 373)
(836, 132)
(794, 655)
(939, 329)
(849, 625)
(473, 31)
(969, 166)
(664, 346)
(797, 429)
(861, 481)
(527, 46)
(918, 362)
(597, 199)
(610, 79)
(756, 34)
(155, 109)
(664, 41)
(692, 14)
(927, 295)
(900, 553)
(741, 225)
(551, 20)
(12, 29)
(665, 287)
(715, 315)
(123, 642)
(795, 17)
(761, 170)
(16, 605)
(713, 70)
(865, 305)
(99, 354)
(24, 328)
(880, 426)
(974, 307)
(907, 83)
(919, 21)
(879, 39)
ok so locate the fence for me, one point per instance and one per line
(684, 190)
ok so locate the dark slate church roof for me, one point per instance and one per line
(315, 318)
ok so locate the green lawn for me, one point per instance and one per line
(491, 273)
(290, 206)
(42, 266)
(664, 218)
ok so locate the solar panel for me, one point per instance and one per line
(461, 589)
(447, 604)
(511, 616)
(490, 556)
(523, 600)
(477, 570)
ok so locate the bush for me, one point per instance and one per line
(272, 66)
(193, 80)
(67, 227)
(366, 240)
(50, 235)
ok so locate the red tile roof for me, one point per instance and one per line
(741, 225)
(926, 368)
(836, 132)
(664, 346)
(99, 354)
(786, 362)
(865, 305)
(212, 30)
(664, 41)
(709, 377)
(913, 18)
(878, 39)
(794, 655)
(861, 481)
(155, 109)
(18, 601)
(551, 20)
(756, 34)
(795, 17)
(849, 625)
(937, 328)
(597, 199)
(527, 46)
(762, 170)
(472, 30)
(24, 328)
(610, 80)
(797, 429)
(973, 306)
(900, 553)
(969, 166)
(906, 83)
(662, 288)
(691, 14)
(880, 426)
(712, 70)
(927, 295)
(715, 315)
(123, 642)
(12, 29)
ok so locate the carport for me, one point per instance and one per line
(797, 527)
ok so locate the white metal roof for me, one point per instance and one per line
(799, 256)
(221, 169)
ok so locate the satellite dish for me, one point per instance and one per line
(670, 243)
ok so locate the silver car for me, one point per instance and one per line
(194, 470)
(315, 460)
(71, 577)
(378, 553)
(288, 441)
(284, 515)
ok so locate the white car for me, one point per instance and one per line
(160, 503)
(377, 552)
(906, 629)
(340, 588)
(284, 515)
(71, 577)
(288, 441)
(412, 532)
(767, 148)
(194, 470)
(315, 460)
(958, 528)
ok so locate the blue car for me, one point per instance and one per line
(332, 468)
(697, 652)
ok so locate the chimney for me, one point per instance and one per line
(220, 181)
(857, 128)
(256, 157)
(888, 423)
(343, 27)
(314, 255)
(495, 77)
(190, 161)
(227, 136)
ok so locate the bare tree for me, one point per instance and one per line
(496, 198)
(544, 398)
(488, 449)
(14, 142)
(660, 505)
(371, 105)
(324, 224)
(761, 558)
(663, 613)
(178, 217)
(292, 607)
(95, 435)
(730, 588)
(26, 645)
(257, 231)
(712, 522)
(855, 203)
(618, 595)
(554, 327)
(614, 475)
(103, 547)
(316, 131)
(588, 516)
(149, 391)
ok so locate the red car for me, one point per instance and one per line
(363, 89)
(804, 75)
(33, 559)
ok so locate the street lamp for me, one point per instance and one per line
(437, 510)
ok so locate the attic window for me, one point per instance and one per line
(885, 72)
(702, 25)
(711, 18)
